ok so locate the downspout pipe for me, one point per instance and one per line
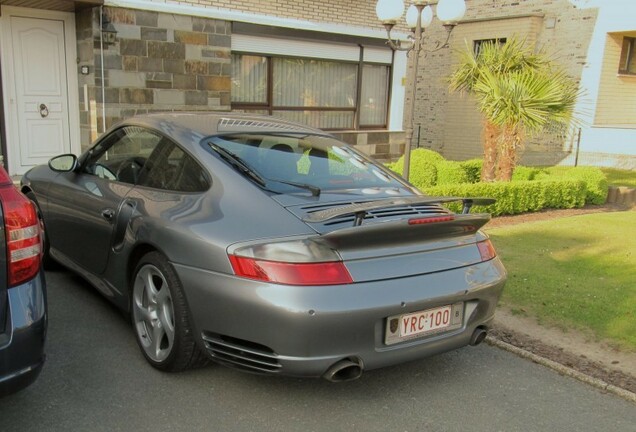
(101, 54)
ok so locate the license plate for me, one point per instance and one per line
(422, 323)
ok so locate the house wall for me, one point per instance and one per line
(606, 140)
(461, 132)
(350, 12)
(138, 80)
(173, 61)
(617, 93)
(450, 123)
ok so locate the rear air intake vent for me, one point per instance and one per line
(241, 354)
(380, 215)
(242, 125)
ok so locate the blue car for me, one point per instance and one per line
(23, 315)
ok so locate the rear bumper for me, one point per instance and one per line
(22, 344)
(302, 331)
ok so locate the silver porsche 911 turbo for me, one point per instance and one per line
(267, 246)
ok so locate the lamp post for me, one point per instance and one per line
(418, 17)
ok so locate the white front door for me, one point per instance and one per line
(37, 81)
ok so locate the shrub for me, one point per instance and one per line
(418, 156)
(424, 176)
(472, 168)
(450, 172)
(525, 173)
(517, 197)
(423, 171)
(392, 166)
(594, 178)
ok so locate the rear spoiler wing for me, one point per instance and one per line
(360, 210)
(405, 231)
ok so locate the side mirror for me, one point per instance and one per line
(63, 163)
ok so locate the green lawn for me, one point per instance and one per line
(617, 177)
(576, 272)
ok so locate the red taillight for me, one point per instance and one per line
(429, 220)
(486, 250)
(321, 273)
(22, 234)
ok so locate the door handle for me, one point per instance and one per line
(108, 214)
(44, 111)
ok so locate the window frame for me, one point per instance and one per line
(624, 64)
(269, 106)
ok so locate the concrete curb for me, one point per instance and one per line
(563, 370)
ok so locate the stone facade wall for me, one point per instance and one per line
(158, 62)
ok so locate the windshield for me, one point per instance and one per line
(306, 161)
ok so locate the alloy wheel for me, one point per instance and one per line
(153, 313)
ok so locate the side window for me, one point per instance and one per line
(170, 168)
(123, 154)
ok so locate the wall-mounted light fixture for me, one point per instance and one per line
(109, 32)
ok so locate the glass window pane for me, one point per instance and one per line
(249, 78)
(319, 161)
(123, 154)
(319, 119)
(375, 95)
(313, 83)
(170, 168)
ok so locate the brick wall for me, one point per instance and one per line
(450, 123)
(353, 12)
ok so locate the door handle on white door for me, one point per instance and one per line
(44, 111)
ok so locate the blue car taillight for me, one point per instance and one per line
(23, 235)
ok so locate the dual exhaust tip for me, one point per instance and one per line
(351, 369)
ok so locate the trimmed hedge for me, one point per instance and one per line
(423, 168)
(522, 173)
(517, 197)
(594, 178)
(472, 167)
(450, 172)
(531, 189)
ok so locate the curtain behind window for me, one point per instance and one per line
(249, 79)
(375, 95)
(313, 83)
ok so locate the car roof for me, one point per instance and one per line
(194, 126)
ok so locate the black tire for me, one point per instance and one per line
(160, 319)
(47, 261)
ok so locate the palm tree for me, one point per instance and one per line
(520, 93)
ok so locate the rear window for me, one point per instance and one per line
(316, 160)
